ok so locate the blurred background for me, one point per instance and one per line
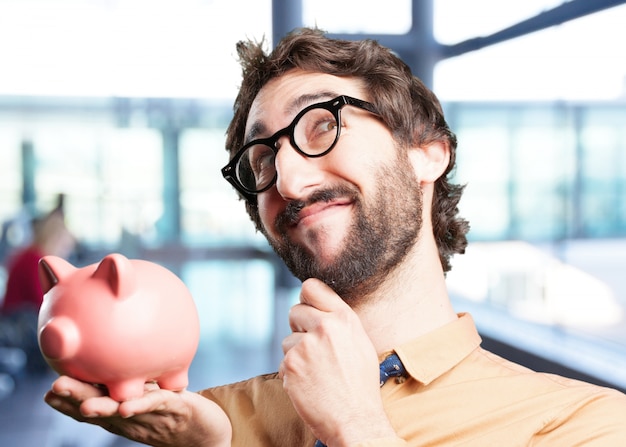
(120, 107)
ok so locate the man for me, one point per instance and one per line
(342, 157)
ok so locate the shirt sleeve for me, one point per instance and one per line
(261, 413)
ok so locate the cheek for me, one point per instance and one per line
(268, 207)
(358, 160)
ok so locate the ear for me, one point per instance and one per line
(430, 161)
(119, 274)
(53, 270)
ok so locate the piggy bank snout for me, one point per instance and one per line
(59, 338)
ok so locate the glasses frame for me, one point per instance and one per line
(229, 172)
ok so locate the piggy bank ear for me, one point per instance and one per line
(118, 272)
(53, 270)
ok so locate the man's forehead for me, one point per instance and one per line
(282, 98)
(260, 117)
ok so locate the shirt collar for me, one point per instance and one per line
(431, 355)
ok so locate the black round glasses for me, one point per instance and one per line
(314, 132)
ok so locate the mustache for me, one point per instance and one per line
(291, 214)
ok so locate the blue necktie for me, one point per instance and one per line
(390, 367)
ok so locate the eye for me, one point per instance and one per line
(328, 125)
(265, 162)
(261, 160)
(316, 131)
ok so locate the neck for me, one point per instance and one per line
(412, 302)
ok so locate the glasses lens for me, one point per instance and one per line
(255, 169)
(316, 131)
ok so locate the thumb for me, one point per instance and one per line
(317, 294)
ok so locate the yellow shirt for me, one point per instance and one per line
(457, 394)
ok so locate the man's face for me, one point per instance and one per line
(347, 218)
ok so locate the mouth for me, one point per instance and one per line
(311, 212)
(320, 203)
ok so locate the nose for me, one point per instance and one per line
(296, 174)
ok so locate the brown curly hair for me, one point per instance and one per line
(410, 110)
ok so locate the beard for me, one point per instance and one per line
(383, 231)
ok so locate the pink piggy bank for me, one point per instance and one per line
(119, 323)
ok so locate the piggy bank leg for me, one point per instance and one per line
(126, 390)
(174, 381)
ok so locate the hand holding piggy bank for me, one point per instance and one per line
(119, 323)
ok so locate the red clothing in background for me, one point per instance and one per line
(23, 291)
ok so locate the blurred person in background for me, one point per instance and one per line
(23, 295)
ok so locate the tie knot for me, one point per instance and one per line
(391, 367)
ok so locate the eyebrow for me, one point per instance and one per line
(295, 106)
(257, 128)
(303, 101)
